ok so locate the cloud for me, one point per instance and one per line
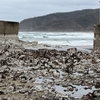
(17, 10)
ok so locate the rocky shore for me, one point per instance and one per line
(47, 74)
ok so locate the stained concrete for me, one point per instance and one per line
(9, 28)
(96, 38)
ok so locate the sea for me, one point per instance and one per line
(59, 38)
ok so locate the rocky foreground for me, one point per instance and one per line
(48, 74)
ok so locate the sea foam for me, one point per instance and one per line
(59, 38)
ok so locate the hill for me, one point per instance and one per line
(81, 20)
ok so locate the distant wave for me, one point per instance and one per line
(45, 36)
(58, 38)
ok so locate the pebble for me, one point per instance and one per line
(27, 72)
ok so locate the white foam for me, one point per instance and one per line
(58, 38)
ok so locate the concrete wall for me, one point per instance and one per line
(2, 29)
(96, 44)
(9, 28)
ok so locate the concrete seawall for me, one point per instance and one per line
(9, 28)
(96, 38)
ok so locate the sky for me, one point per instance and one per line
(18, 10)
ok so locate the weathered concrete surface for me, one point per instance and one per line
(9, 28)
(96, 38)
(2, 29)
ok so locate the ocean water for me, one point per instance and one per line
(59, 38)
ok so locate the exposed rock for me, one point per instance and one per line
(49, 74)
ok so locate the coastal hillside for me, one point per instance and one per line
(80, 20)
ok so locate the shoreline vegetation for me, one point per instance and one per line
(80, 20)
(32, 71)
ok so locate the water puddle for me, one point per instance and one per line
(77, 92)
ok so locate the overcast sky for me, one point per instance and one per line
(17, 10)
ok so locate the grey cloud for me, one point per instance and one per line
(17, 10)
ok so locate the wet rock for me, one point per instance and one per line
(2, 92)
(56, 74)
(97, 85)
(71, 50)
(95, 95)
(64, 97)
(23, 91)
(17, 74)
(10, 89)
(22, 57)
(70, 88)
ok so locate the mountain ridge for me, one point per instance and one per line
(80, 20)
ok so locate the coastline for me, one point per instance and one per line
(40, 71)
(88, 48)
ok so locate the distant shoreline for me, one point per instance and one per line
(82, 20)
(59, 31)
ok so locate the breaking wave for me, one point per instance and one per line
(59, 38)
